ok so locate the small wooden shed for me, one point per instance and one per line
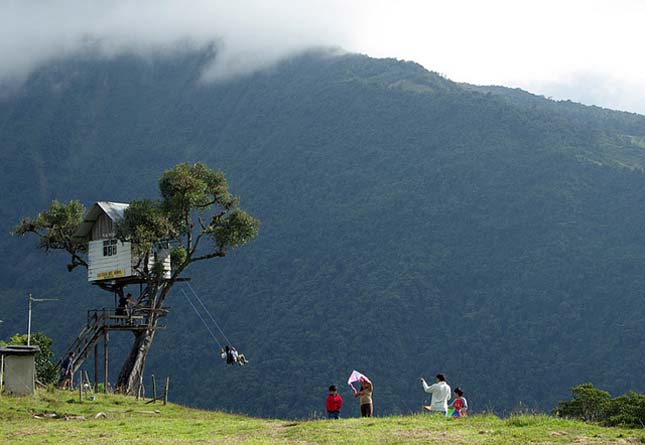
(19, 369)
(109, 258)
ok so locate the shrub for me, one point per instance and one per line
(46, 370)
(592, 404)
(627, 410)
(588, 403)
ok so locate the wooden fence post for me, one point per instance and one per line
(165, 391)
(139, 387)
(154, 389)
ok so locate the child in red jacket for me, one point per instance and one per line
(460, 404)
(334, 403)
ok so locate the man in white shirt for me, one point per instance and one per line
(440, 394)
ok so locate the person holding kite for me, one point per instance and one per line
(364, 394)
(440, 395)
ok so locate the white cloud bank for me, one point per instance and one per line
(249, 34)
(584, 50)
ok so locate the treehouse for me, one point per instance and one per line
(108, 258)
(114, 264)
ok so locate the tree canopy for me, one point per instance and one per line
(55, 228)
(196, 217)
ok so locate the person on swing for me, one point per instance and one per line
(232, 357)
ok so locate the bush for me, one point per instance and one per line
(46, 370)
(628, 410)
(588, 403)
(595, 405)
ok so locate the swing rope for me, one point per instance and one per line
(199, 300)
(201, 318)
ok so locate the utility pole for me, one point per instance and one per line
(37, 300)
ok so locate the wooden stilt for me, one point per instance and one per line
(88, 383)
(105, 361)
(96, 367)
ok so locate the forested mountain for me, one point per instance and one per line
(410, 225)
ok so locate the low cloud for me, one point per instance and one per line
(248, 34)
(541, 46)
(593, 89)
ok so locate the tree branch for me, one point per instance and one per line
(189, 227)
(219, 253)
(203, 206)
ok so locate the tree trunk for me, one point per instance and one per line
(132, 369)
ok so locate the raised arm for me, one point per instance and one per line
(426, 387)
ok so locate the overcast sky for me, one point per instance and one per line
(587, 51)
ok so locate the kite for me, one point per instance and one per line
(356, 376)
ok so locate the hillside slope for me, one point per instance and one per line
(124, 420)
(410, 225)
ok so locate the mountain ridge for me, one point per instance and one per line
(409, 226)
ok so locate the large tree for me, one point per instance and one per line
(196, 217)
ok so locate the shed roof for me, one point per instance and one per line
(114, 211)
(19, 350)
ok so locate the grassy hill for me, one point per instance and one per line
(130, 421)
(410, 225)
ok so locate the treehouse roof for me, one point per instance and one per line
(113, 210)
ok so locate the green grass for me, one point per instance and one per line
(129, 421)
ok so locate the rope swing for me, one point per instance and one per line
(229, 352)
(201, 318)
(199, 300)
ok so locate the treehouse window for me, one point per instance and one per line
(109, 247)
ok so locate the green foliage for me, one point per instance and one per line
(588, 403)
(187, 188)
(595, 405)
(626, 410)
(178, 255)
(410, 226)
(234, 230)
(55, 228)
(188, 193)
(146, 225)
(46, 370)
(57, 224)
